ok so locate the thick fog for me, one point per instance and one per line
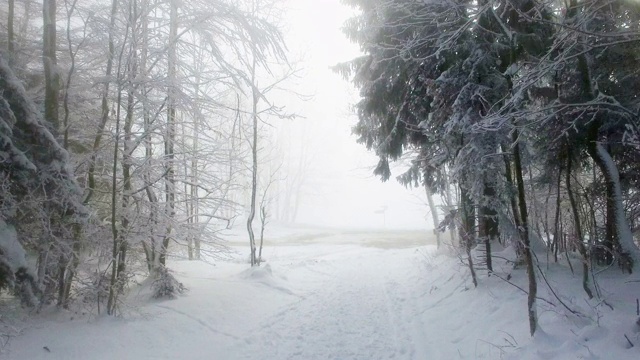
(338, 187)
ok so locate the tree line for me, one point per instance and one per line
(522, 114)
(131, 132)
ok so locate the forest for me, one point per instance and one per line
(134, 131)
(522, 114)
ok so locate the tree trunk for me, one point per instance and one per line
(150, 244)
(111, 302)
(512, 199)
(616, 219)
(10, 33)
(578, 226)
(127, 153)
(557, 235)
(170, 188)
(118, 247)
(104, 108)
(49, 59)
(254, 156)
(467, 230)
(490, 230)
(524, 232)
(69, 271)
(434, 213)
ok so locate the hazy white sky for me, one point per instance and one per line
(341, 189)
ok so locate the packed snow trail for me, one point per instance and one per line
(351, 310)
(335, 300)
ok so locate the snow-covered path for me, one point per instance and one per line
(331, 300)
(350, 310)
(335, 296)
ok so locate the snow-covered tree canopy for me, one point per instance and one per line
(37, 184)
(33, 164)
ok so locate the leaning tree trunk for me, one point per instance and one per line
(623, 238)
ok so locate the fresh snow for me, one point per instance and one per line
(333, 294)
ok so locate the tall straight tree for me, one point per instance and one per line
(10, 24)
(49, 59)
(170, 131)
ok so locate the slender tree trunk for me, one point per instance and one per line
(434, 213)
(104, 108)
(150, 244)
(254, 155)
(450, 206)
(512, 199)
(467, 230)
(195, 174)
(117, 257)
(72, 59)
(10, 34)
(490, 228)
(111, 302)
(170, 188)
(533, 287)
(68, 272)
(49, 59)
(578, 226)
(557, 231)
(127, 153)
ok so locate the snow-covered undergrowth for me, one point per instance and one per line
(348, 301)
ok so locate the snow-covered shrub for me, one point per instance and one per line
(96, 289)
(165, 285)
(14, 273)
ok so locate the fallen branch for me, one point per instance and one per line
(523, 290)
(630, 343)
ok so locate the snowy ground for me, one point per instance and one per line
(332, 294)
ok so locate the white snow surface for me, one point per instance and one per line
(330, 294)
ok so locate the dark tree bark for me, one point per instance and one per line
(467, 230)
(524, 232)
(557, 235)
(49, 59)
(10, 23)
(489, 225)
(512, 198)
(578, 228)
